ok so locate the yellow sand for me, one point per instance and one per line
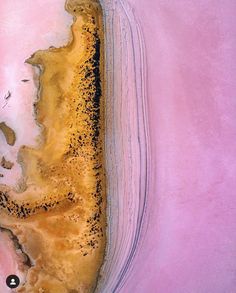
(58, 213)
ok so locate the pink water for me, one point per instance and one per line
(189, 239)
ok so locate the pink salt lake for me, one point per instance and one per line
(188, 241)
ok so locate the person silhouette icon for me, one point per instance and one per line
(12, 281)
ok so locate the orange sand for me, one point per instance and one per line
(58, 210)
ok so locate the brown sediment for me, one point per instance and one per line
(8, 133)
(59, 218)
(6, 164)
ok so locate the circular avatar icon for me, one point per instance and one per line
(12, 281)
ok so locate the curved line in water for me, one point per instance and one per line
(111, 10)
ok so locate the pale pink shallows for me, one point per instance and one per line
(25, 27)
